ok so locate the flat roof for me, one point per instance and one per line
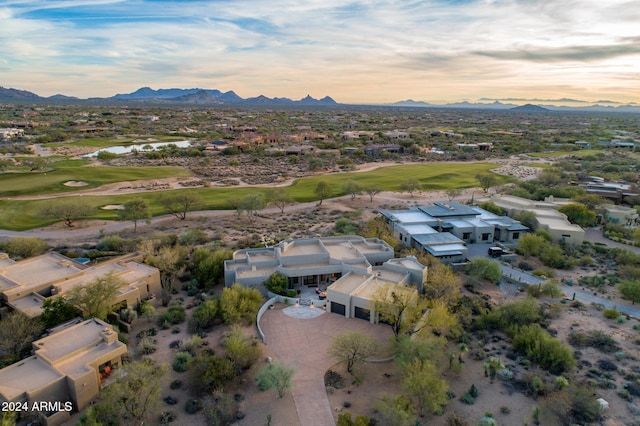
(254, 271)
(302, 247)
(450, 209)
(36, 272)
(27, 375)
(81, 364)
(559, 224)
(349, 282)
(342, 250)
(439, 238)
(410, 216)
(71, 339)
(418, 229)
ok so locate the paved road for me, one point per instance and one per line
(303, 344)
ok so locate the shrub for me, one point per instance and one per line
(611, 313)
(23, 247)
(193, 405)
(111, 243)
(192, 237)
(181, 361)
(277, 283)
(536, 344)
(204, 316)
(175, 315)
(147, 345)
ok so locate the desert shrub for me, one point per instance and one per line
(193, 405)
(175, 315)
(147, 345)
(277, 283)
(597, 339)
(181, 361)
(537, 345)
(344, 419)
(204, 316)
(128, 314)
(455, 419)
(23, 247)
(487, 421)
(192, 237)
(611, 313)
(560, 383)
(175, 384)
(521, 312)
(243, 352)
(222, 409)
(240, 304)
(208, 372)
(111, 243)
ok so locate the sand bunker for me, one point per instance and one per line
(75, 183)
(113, 207)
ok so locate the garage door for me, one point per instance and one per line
(362, 313)
(337, 308)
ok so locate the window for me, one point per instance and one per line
(485, 237)
(516, 235)
(466, 235)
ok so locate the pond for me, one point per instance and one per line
(143, 147)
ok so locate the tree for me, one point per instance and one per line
(204, 316)
(531, 245)
(179, 203)
(208, 266)
(630, 290)
(135, 210)
(25, 247)
(486, 180)
(578, 214)
(279, 197)
(442, 283)
(399, 306)
(372, 191)
(96, 298)
(423, 380)
(57, 311)
(353, 348)
(396, 411)
(239, 303)
(243, 352)
(452, 193)
(527, 218)
(352, 188)
(67, 211)
(251, 204)
(411, 185)
(483, 268)
(275, 376)
(169, 260)
(208, 372)
(137, 393)
(277, 283)
(323, 190)
(17, 331)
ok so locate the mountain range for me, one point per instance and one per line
(170, 96)
(198, 96)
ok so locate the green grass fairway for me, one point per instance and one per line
(25, 214)
(51, 182)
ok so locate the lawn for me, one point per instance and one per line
(51, 181)
(25, 214)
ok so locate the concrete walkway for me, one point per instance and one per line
(303, 344)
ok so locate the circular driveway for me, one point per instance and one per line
(303, 344)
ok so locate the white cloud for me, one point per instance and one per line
(364, 49)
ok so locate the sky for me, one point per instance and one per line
(572, 52)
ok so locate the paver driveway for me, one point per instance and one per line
(303, 344)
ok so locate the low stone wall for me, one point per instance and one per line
(261, 312)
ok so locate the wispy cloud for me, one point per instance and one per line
(362, 50)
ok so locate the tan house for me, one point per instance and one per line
(26, 284)
(66, 372)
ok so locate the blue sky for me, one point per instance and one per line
(358, 51)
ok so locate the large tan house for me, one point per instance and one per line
(66, 372)
(26, 284)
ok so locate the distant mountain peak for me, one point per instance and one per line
(530, 108)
